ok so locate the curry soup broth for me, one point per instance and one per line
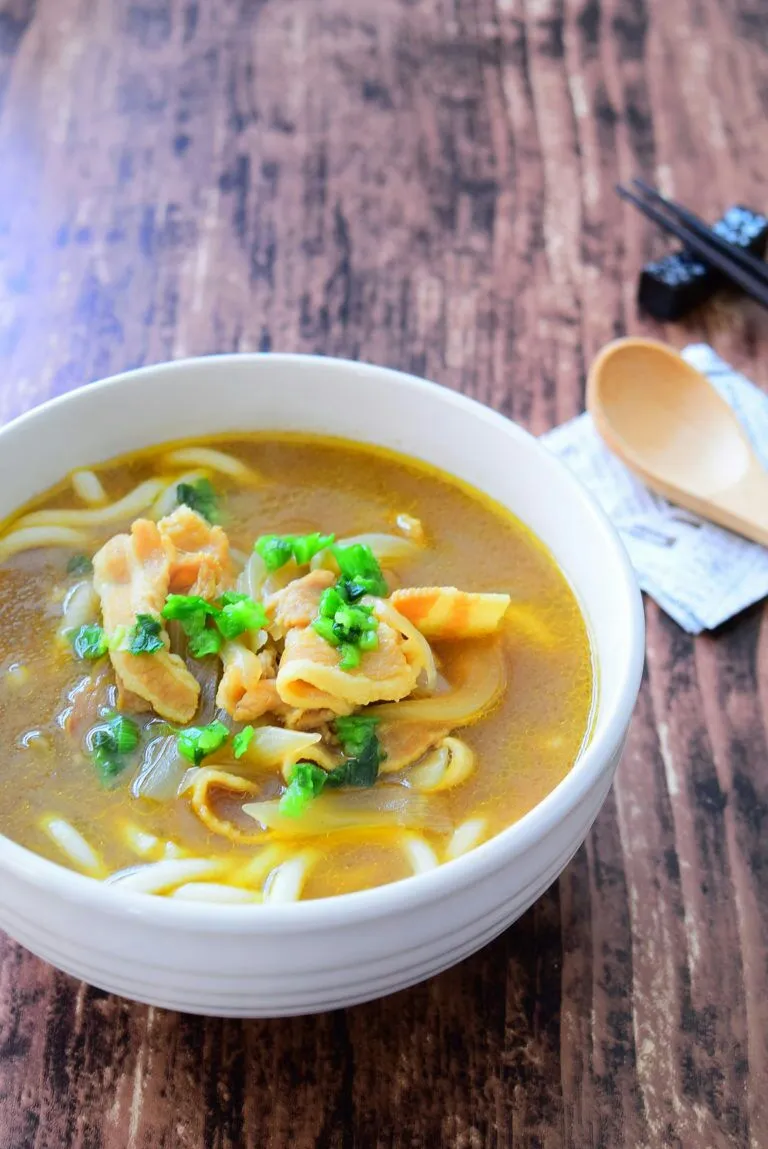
(524, 746)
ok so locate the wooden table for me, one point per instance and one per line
(426, 184)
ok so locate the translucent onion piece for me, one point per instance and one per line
(214, 460)
(252, 577)
(388, 549)
(207, 671)
(286, 882)
(420, 854)
(419, 652)
(271, 747)
(72, 843)
(161, 771)
(28, 538)
(215, 892)
(81, 605)
(158, 877)
(88, 487)
(480, 685)
(448, 765)
(381, 806)
(465, 837)
(128, 507)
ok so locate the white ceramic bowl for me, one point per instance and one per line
(268, 961)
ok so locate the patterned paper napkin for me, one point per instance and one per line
(698, 573)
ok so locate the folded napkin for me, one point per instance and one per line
(698, 573)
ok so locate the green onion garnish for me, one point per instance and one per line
(277, 550)
(144, 638)
(238, 613)
(201, 497)
(197, 742)
(305, 782)
(192, 612)
(232, 614)
(360, 572)
(358, 739)
(242, 741)
(90, 641)
(110, 742)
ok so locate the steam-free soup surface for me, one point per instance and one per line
(444, 784)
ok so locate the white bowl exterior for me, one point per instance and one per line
(275, 961)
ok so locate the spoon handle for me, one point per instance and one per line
(743, 507)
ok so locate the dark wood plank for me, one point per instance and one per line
(427, 184)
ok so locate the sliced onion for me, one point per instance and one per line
(162, 769)
(81, 605)
(253, 576)
(480, 684)
(379, 807)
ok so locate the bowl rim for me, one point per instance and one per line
(416, 890)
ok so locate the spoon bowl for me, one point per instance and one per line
(669, 426)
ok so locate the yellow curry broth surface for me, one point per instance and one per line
(524, 747)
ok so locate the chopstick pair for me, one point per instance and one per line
(740, 267)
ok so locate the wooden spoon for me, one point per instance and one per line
(667, 424)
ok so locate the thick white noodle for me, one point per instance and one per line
(215, 892)
(139, 840)
(157, 877)
(420, 854)
(127, 508)
(465, 837)
(88, 486)
(286, 883)
(29, 538)
(214, 460)
(72, 843)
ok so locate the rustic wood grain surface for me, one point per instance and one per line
(426, 184)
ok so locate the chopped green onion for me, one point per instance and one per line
(191, 612)
(324, 627)
(145, 636)
(305, 547)
(242, 741)
(350, 656)
(277, 550)
(358, 739)
(197, 742)
(90, 641)
(360, 571)
(305, 782)
(354, 731)
(200, 497)
(79, 565)
(110, 742)
(239, 613)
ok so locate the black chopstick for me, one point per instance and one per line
(748, 261)
(747, 280)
